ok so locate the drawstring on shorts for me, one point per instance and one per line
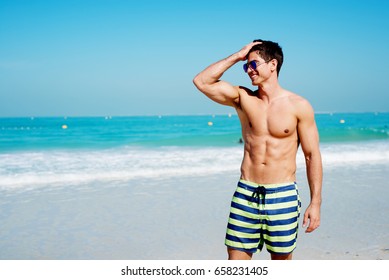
(260, 190)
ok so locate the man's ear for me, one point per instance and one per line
(273, 64)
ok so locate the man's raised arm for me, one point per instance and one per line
(208, 81)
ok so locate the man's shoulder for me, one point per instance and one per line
(297, 100)
(299, 105)
(245, 94)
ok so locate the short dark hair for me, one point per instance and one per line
(269, 50)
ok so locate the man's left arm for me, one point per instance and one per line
(309, 139)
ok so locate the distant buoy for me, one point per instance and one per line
(64, 126)
(229, 115)
(342, 121)
(210, 123)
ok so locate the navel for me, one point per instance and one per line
(286, 130)
(250, 124)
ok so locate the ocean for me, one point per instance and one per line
(49, 152)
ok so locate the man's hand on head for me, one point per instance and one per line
(242, 54)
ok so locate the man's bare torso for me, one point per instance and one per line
(269, 130)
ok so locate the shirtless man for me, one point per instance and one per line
(265, 207)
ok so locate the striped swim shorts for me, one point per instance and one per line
(264, 214)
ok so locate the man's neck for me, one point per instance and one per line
(269, 90)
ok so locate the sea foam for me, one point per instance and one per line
(61, 168)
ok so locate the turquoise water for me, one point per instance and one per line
(107, 132)
(59, 152)
(21, 134)
(351, 127)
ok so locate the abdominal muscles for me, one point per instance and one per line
(269, 162)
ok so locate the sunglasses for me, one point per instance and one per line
(253, 65)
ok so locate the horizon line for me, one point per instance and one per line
(177, 114)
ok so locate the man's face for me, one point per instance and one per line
(257, 68)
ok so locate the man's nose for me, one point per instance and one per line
(249, 70)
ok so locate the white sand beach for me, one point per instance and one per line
(185, 218)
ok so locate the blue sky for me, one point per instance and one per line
(86, 58)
